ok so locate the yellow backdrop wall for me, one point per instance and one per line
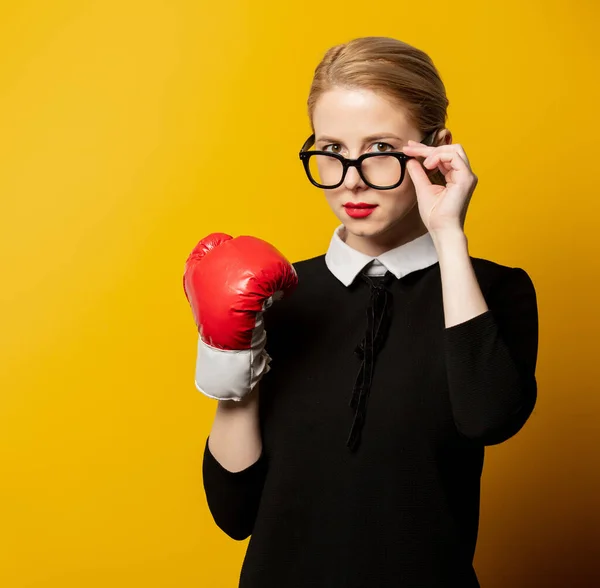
(129, 130)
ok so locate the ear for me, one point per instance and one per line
(444, 137)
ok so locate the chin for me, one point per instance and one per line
(367, 227)
(389, 227)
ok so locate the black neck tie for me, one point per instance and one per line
(378, 321)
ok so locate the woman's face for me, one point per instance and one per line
(353, 122)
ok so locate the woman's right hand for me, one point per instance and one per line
(229, 283)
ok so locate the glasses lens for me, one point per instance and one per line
(325, 170)
(382, 170)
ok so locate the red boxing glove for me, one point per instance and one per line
(229, 283)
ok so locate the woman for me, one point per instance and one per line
(385, 372)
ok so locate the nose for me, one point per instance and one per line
(352, 181)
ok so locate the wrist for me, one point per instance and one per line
(454, 238)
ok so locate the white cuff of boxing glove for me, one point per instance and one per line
(225, 374)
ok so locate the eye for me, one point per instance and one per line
(335, 148)
(382, 147)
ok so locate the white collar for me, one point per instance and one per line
(345, 263)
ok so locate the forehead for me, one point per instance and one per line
(352, 113)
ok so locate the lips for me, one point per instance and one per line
(359, 205)
(359, 209)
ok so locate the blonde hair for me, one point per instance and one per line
(402, 73)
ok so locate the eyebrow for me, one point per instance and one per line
(378, 136)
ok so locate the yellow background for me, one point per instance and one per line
(129, 130)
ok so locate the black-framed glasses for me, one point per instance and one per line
(380, 171)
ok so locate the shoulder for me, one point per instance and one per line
(317, 289)
(311, 268)
(314, 279)
(493, 271)
(288, 321)
(500, 281)
(312, 274)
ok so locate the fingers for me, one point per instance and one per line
(451, 159)
(419, 150)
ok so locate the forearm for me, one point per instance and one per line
(462, 296)
(234, 468)
(490, 356)
(235, 439)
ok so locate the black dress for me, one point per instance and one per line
(395, 504)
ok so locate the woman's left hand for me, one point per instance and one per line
(441, 207)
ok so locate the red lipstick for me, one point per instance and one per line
(359, 209)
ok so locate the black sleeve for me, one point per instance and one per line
(491, 360)
(233, 497)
